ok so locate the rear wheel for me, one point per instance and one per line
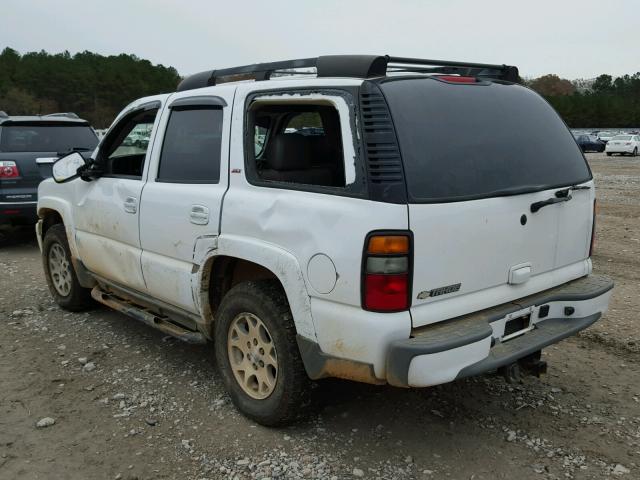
(257, 354)
(635, 152)
(608, 154)
(59, 273)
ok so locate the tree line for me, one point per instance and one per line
(97, 87)
(602, 102)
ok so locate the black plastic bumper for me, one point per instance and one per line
(475, 327)
(546, 333)
(18, 212)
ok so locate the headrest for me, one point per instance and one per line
(289, 151)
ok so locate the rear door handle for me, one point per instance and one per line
(130, 204)
(199, 215)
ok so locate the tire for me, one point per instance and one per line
(635, 152)
(62, 281)
(609, 154)
(287, 396)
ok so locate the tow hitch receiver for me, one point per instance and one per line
(529, 365)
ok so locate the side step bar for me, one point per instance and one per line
(143, 315)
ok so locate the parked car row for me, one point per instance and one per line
(611, 142)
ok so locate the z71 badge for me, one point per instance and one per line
(439, 291)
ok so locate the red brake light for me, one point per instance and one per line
(386, 292)
(8, 169)
(386, 273)
(456, 79)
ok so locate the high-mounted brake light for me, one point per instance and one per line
(593, 227)
(386, 283)
(8, 169)
(456, 79)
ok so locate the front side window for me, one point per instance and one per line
(191, 147)
(123, 153)
(297, 143)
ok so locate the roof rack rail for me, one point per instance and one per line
(62, 114)
(353, 66)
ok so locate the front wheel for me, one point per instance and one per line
(59, 273)
(257, 354)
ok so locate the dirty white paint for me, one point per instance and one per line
(443, 367)
(344, 113)
(557, 252)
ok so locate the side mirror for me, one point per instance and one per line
(66, 168)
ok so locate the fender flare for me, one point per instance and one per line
(282, 263)
(63, 209)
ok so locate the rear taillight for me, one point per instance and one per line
(8, 169)
(386, 285)
(593, 227)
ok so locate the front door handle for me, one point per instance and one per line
(131, 205)
(199, 215)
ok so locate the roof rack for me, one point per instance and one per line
(352, 66)
(62, 114)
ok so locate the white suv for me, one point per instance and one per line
(335, 225)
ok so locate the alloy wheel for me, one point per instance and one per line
(252, 355)
(60, 269)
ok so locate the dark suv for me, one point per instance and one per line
(28, 147)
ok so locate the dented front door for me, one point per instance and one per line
(107, 229)
(181, 202)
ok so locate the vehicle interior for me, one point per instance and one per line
(297, 143)
(118, 154)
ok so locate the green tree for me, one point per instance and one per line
(93, 86)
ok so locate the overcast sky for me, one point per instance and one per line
(575, 39)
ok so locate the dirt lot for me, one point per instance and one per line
(154, 408)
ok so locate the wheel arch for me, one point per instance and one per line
(238, 259)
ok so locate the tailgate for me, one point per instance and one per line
(479, 158)
(472, 255)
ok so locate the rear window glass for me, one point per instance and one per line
(46, 138)
(622, 137)
(191, 147)
(460, 142)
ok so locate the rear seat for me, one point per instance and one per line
(289, 158)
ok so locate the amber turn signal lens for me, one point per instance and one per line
(392, 244)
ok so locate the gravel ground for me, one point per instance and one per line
(96, 395)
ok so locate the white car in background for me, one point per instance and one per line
(623, 144)
(606, 136)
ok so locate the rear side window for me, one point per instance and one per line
(39, 137)
(462, 142)
(191, 147)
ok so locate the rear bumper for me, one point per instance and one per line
(25, 212)
(619, 149)
(472, 344)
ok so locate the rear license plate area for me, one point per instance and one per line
(516, 326)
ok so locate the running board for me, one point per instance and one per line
(147, 317)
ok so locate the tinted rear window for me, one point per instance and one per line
(46, 138)
(460, 142)
(191, 148)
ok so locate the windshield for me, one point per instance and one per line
(460, 142)
(46, 138)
